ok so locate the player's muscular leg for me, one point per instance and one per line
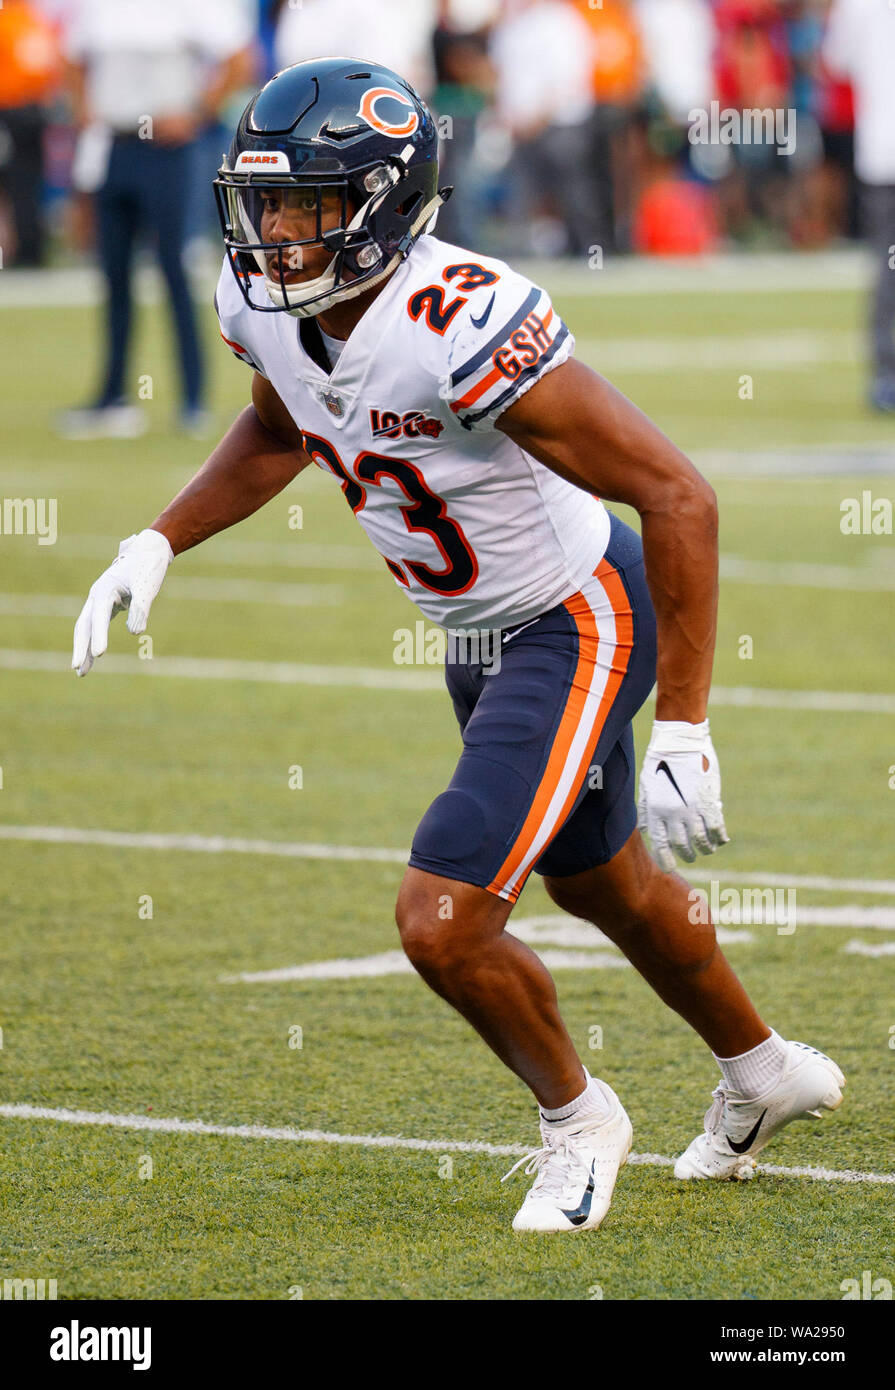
(454, 935)
(645, 912)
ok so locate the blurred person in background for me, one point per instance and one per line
(464, 92)
(860, 46)
(543, 51)
(678, 38)
(268, 18)
(806, 212)
(145, 79)
(396, 33)
(214, 135)
(29, 73)
(675, 215)
(753, 72)
(836, 116)
(618, 77)
(674, 194)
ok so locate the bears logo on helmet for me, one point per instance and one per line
(367, 112)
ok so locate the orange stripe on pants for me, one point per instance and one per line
(503, 882)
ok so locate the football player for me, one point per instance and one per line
(439, 390)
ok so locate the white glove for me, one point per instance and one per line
(680, 793)
(132, 581)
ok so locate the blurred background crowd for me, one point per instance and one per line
(566, 124)
(566, 120)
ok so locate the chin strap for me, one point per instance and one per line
(323, 285)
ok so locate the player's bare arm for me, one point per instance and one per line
(259, 455)
(582, 428)
(578, 424)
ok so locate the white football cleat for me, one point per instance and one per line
(737, 1129)
(576, 1170)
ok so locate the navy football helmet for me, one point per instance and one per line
(339, 129)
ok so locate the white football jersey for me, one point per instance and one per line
(475, 531)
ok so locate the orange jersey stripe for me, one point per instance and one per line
(489, 380)
(479, 390)
(237, 347)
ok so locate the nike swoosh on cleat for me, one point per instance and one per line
(580, 1213)
(750, 1137)
(663, 767)
(480, 322)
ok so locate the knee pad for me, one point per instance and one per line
(454, 827)
(467, 831)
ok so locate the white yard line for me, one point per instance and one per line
(201, 844)
(821, 882)
(735, 569)
(728, 273)
(234, 550)
(723, 273)
(255, 591)
(222, 669)
(396, 963)
(290, 849)
(258, 591)
(346, 968)
(286, 1134)
(725, 353)
(40, 606)
(559, 929)
(835, 459)
(410, 681)
(553, 930)
(829, 701)
(863, 948)
(877, 918)
(560, 932)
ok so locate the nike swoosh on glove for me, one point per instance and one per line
(131, 581)
(680, 793)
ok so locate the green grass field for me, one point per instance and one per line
(106, 1009)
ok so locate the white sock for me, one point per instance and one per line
(590, 1102)
(754, 1072)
